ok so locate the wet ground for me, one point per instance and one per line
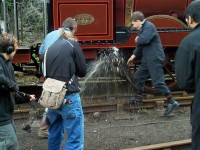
(111, 131)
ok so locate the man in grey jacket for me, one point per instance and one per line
(149, 46)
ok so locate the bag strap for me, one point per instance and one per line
(72, 79)
(44, 63)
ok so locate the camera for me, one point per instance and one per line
(27, 128)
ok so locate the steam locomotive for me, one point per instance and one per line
(104, 24)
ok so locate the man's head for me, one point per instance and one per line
(137, 19)
(8, 45)
(71, 24)
(193, 14)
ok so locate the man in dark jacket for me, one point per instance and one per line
(65, 61)
(187, 67)
(9, 93)
(150, 48)
(69, 27)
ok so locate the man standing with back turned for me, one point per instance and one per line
(187, 67)
(69, 27)
(148, 45)
(65, 62)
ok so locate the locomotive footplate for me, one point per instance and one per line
(23, 55)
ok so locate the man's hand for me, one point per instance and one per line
(130, 59)
(32, 98)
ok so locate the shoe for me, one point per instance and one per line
(43, 133)
(171, 107)
(137, 99)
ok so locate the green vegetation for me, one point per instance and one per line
(30, 20)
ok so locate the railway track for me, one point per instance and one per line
(176, 145)
(118, 103)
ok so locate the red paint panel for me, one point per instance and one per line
(99, 24)
(23, 55)
(172, 39)
(120, 12)
(166, 38)
(22, 58)
(102, 11)
(167, 23)
(90, 53)
(160, 7)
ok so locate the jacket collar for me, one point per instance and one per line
(143, 21)
(3, 58)
(142, 24)
(197, 26)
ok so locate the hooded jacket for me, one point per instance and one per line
(9, 94)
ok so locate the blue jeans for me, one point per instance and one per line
(69, 118)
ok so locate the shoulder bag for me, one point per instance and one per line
(54, 91)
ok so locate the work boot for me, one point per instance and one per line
(172, 105)
(43, 132)
(137, 99)
(44, 126)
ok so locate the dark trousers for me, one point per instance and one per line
(8, 138)
(153, 70)
(195, 137)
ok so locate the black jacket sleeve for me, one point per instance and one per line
(137, 51)
(146, 35)
(79, 61)
(5, 82)
(184, 68)
(21, 97)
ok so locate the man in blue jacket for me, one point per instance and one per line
(149, 46)
(187, 67)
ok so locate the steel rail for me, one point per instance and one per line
(118, 104)
(178, 145)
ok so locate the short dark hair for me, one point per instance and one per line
(5, 41)
(137, 15)
(69, 23)
(193, 10)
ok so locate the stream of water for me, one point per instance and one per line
(108, 75)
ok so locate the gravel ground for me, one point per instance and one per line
(106, 131)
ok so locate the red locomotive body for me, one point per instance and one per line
(105, 23)
(102, 22)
